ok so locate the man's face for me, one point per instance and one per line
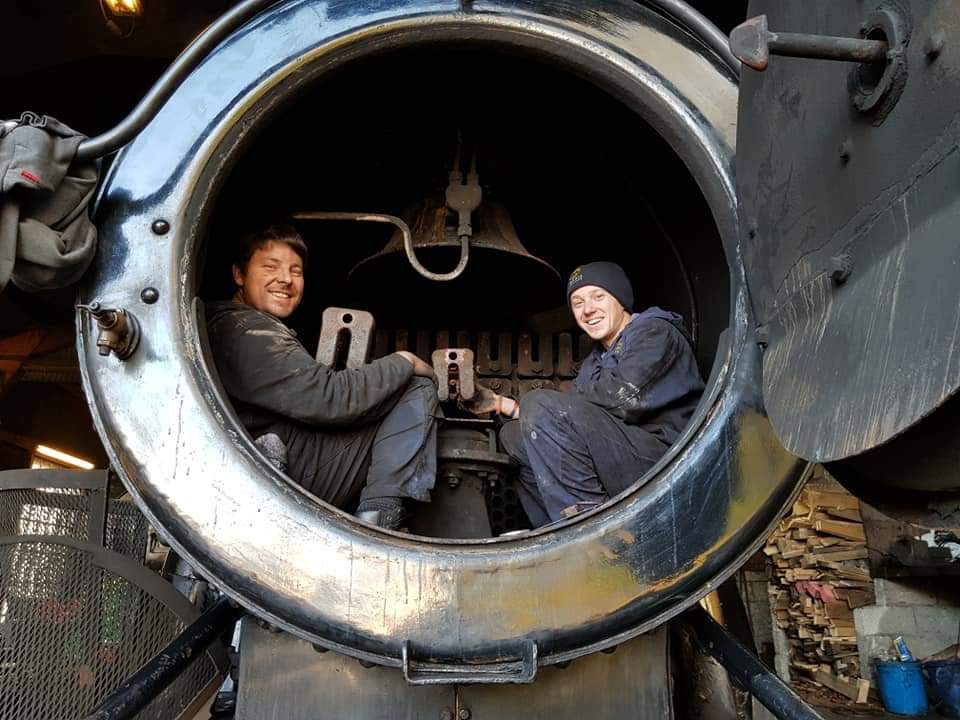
(598, 313)
(273, 280)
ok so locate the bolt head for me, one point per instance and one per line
(160, 227)
(846, 149)
(149, 295)
(840, 268)
(933, 45)
(464, 714)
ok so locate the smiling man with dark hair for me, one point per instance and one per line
(367, 434)
(632, 398)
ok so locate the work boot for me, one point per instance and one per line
(273, 450)
(386, 513)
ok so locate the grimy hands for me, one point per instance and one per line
(487, 401)
(420, 368)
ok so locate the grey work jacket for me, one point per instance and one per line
(46, 237)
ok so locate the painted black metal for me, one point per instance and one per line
(701, 27)
(925, 457)
(746, 668)
(118, 136)
(849, 365)
(148, 682)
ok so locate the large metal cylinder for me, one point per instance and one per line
(555, 594)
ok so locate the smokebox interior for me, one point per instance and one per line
(581, 175)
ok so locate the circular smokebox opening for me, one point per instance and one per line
(579, 174)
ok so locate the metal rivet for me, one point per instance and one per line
(933, 45)
(149, 295)
(840, 268)
(846, 149)
(464, 714)
(160, 227)
(761, 335)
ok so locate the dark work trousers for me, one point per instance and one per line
(395, 456)
(571, 452)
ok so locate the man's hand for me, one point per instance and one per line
(487, 401)
(420, 368)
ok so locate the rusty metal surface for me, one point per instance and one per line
(346, 338)
(849, 228)
(585, 584)
(455, 371)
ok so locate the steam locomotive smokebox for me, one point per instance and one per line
(608, 133)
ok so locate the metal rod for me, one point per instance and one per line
(753, 43)
(827, 47)
(746, 668)
(407, 239)
(119, 135)
(165, 667)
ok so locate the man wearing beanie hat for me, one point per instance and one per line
(633, 396)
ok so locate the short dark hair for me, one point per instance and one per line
(259, 239)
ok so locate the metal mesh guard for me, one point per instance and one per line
(70, 631)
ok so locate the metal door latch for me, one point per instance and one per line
(753, 43)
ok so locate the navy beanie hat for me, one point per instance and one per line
(607, 275)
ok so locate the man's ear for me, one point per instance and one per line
(237, 275)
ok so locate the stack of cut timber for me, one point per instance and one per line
(818, 555)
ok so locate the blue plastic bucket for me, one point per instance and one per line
(901, 687)
(944, 679)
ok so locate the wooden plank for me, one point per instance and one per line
(840, 528)
(827, 498)
(843, 686)
(840, 555)
(838, 610)
(844, 513)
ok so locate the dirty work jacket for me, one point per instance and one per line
(270, 376)
(649, 377)
(46, 237)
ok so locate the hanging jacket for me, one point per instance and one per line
(648, 378)
(46, 237)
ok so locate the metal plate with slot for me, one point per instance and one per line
(543, 365)
(346, 337)
(486, 364)
(455, 377)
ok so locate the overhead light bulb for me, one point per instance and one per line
(124, 8)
